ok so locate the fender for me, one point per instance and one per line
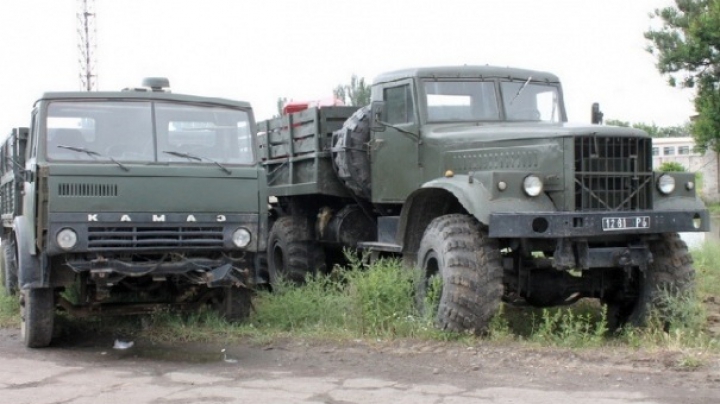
(474, 195)
(32, 273)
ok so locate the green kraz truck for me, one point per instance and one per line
(472, 175)
(124, 202)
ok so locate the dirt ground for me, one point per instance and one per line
(86, 369)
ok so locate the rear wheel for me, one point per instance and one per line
(37, 314)
(9, 267)
(293, 252)
(461, 266)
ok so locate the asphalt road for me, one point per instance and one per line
(92, 372)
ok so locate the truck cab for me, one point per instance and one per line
(140, 192)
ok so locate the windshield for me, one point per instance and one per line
(461, 101)
(528, 101)
(145, 131)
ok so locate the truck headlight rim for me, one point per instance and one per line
(241, 237)
(532, 185)
(66, 238)
(666, 184)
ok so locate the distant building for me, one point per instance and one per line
(682, 151)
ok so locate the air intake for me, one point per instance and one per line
(87, 190)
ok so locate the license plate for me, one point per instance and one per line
(625, 223)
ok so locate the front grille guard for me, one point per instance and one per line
(612, 173)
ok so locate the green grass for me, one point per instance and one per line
(378, 302)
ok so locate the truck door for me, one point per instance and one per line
(394, 151)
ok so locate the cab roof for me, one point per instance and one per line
(465, 71)
(140, 95)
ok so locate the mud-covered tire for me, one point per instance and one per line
(351, 155)
(293, 253)
(671, 272)
(9, 267)
(37, 315)
(457, 248)
(234, 304)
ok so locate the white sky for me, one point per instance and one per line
(259, 50)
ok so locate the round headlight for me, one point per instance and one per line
(532, 185)
(241, 237)
(66, 238)
(666, 184)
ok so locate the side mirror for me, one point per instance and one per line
(596, 116)
(377, 109)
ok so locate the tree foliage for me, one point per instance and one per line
(671, 166)
(687, 47)
(281, 101)
(654, 130)
(357, 93)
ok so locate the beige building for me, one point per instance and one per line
(681, 150)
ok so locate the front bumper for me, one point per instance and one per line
(589, 224)
(214, 273)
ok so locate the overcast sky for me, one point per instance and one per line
(259, 50)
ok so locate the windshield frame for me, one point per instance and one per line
(500, 103)
(149, 128)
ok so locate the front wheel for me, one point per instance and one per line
(293, 252)
(37, 314)
(462, 267)
(669, 275)
(233, 303)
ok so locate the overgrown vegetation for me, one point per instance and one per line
(378, 302)
(671, 166)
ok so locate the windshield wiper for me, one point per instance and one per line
(93, 154)
(197, 158)
(521, 90)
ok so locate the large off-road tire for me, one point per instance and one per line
(293, 252)
(671, 272)
(233, 303)
(457, 249)
(37, 315)
(9, 267)
(351, 154)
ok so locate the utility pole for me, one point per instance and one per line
(87, 43)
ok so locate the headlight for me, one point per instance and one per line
(66, 239)
(532, 185)
(666, 184)
(241, 237)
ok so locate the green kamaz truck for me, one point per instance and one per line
(123, 202)
(473, 176)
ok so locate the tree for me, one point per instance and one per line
(652, 129)
(357, 93)
(687, 47)
(617, 122)
(281, 101)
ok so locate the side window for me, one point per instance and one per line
(399, 104)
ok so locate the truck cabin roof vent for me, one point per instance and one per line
(157, 84)
(154, 84)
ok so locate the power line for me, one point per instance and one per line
(87, 44)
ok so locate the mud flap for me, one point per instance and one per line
(225, 276)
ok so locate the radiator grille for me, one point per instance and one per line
(121, 238)
(94, 190)
(613, 173)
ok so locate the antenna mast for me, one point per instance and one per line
(87, 43)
